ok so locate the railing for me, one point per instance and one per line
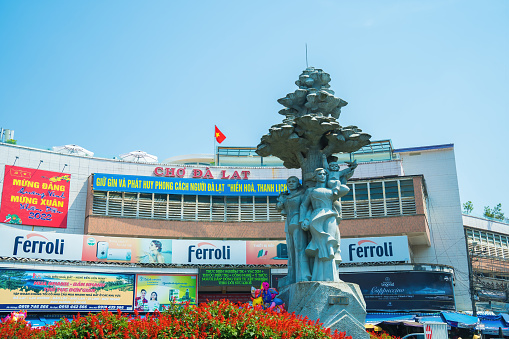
(381, 198)
(185, 207)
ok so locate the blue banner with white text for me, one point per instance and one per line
(164, 185)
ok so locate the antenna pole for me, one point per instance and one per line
(215, 148)
(307, 55)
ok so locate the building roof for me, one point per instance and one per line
(423, 148)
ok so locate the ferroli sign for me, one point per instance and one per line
(39, 245)
(379, 249)
(209, 252)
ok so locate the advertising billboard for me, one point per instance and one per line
(65, 291)
(134, 250)
(377, 249)
(233, 276)
(266, 253)
(156, 291)
(39, 245)
(49, 245)
(209, 252)
(35, 197)
(405, 290)
(163, 185)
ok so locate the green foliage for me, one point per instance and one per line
(11, 141)
(468, 207)
(12, 279)
(495, 212)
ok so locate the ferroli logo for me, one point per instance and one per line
(209, 252)
(364, 249)
(37, 246)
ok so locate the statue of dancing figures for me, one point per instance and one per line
(338, 178)
(296, 238)
(318, 216)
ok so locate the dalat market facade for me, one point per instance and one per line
(84, 233)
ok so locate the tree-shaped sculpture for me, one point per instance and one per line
(310, 129)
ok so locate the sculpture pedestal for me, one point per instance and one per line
(338, 305)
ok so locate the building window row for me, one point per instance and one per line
(185, 207)
(382, 198)
(487, 243)
(365, 200)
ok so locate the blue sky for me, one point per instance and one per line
(117, 76)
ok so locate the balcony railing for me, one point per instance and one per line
(367, 199)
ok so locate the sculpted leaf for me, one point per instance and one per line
(310, 129)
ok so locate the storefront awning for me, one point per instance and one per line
(492, 327)
(505, 317)
(35, 322)
(490, 324)
(378, 318)
(459, 320)
(404, 323)
(430, 318)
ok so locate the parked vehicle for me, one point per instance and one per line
(414, 336)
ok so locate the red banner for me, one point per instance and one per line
(35, 197)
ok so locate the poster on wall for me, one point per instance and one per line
(266, 252)
(133, 250)
(65, 291)
(35, 197)
(209, 252)
(375, 249)
(156, 291)
(233, 276)
(405, 291)
(17, 243)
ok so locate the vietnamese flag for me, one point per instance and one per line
(219, 135)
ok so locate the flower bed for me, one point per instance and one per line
(214, 320)
(381, 335)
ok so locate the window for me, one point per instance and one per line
(407, 188)
(376, 191)
(369, 201)
(361, 191)
(391, 189)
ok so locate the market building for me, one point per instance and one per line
(196, 232)
(488, 250)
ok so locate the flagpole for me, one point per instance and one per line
(215, 163)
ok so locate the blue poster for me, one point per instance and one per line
(164, 185)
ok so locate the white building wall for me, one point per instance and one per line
(448, 245)
(80, 169)
(438, 167)
(377, 169)
(485, 224)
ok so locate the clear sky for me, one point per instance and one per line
(118, 76)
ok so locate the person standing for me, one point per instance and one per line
(153, 304)
(141, 301)
(296, 238)
(319, 217)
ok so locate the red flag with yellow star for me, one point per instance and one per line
(219, 135)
